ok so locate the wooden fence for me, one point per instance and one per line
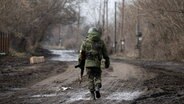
(4, 43)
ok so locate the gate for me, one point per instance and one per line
(4, 43)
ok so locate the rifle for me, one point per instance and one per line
(81, 66)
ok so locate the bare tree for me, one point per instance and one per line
(166, 26)
(161, 22)
(28, 20)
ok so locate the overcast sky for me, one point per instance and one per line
(91, 9)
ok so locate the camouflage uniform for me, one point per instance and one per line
(93, 50)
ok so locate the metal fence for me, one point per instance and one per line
(4, 43)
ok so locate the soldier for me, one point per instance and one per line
(92, 50)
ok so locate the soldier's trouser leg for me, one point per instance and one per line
(98, 84)
(94, 80)
(97, 76)
(91, 83)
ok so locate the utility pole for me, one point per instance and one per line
(138, 34)
(122, 26)
(59, 35)
(78, 21)
(78, 24)
(100, 13)
(138, 22)
(107, 16)
(103, 18)
(115, 42)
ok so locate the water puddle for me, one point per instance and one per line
(65, 55)
(79, 96)
(17, 89)
(124, 96)
(85, 95)
(73, 96)
(46, 95)
(57, 89)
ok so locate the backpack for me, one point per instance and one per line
(93, 52)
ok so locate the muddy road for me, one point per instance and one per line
(122, 84)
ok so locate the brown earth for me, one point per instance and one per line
(123, 83)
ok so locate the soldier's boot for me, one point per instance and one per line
(92, 95)
(98, 86)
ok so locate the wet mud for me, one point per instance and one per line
(122, 84)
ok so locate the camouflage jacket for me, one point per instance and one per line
(92, 50)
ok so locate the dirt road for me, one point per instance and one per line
(122, 84)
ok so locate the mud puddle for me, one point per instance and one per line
(84, 95)
(127, 96)
(46, 95)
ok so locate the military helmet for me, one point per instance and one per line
(92, 29)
